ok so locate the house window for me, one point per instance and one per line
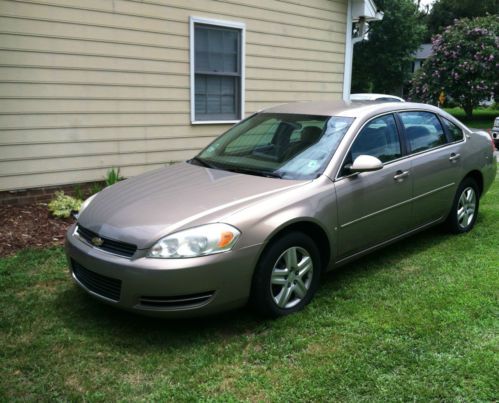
(217, 71)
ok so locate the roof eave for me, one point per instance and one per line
(366, 10)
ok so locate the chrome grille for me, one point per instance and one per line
(118, 248)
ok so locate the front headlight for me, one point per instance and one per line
(84, 205)
(199, 241)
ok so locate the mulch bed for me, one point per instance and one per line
(31, 226)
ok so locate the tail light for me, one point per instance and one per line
(492, 140)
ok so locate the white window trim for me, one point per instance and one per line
(220, 23)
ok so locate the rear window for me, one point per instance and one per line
(387, 99)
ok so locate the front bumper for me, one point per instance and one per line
(163, 287)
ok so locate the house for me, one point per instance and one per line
(86, 85)
(423, 53)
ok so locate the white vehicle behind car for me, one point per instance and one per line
(375, 97)
(495, 132)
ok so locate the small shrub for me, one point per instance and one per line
(78, 191)
(63, 205)
(95, 188)
(113, 176)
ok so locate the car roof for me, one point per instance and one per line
(348, 109)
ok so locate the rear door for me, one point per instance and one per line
(373, 207)
(436, 164)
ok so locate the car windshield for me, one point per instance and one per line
(288, 146)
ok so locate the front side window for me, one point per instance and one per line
(423, 130)
(289, 146)
(379, 138)
(217, 71)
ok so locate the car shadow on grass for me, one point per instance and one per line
(82, 314)
(379, 259)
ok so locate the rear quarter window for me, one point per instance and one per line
(455, 133)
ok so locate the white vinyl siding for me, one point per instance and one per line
(91, 84)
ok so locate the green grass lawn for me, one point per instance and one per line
(416, 321)
(483, 118)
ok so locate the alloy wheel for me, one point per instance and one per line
(466, 207)
(291, 277)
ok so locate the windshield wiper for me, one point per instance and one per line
(203, 162)
(250, 171)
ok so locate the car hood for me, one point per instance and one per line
(144, 208)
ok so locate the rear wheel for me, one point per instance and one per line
(464, 211)
(286, 276)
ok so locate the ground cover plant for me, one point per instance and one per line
(62, 206)
(415, 321)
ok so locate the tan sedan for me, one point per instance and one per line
(283, 196)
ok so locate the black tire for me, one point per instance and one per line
(456, 222)
(293, 291)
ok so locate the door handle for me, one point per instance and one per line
(454, 157)
(400, 175)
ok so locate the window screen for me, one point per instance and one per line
(217, 70)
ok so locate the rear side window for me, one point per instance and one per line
(455, 133)
(423, 130)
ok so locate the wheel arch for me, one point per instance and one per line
(309, 228)
(478, 178)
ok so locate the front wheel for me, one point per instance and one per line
(464, 211)
(286, 276)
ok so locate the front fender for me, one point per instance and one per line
(314, 203)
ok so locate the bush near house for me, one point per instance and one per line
(63, 205)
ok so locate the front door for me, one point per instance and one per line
(374, 207)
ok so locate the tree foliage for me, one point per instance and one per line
(444, 12)
(465, 64)
(381, 64)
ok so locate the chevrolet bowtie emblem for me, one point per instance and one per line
(97, 241)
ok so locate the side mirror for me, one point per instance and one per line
(366, 163)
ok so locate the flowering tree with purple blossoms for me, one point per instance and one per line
(465, 64)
